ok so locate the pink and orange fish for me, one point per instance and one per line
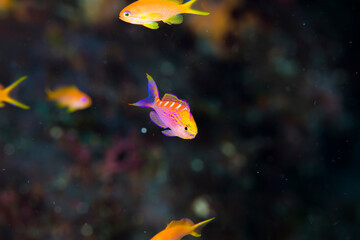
(4, 94)
(175, 230)
(70, 97)
(149, 12)
(169, 112)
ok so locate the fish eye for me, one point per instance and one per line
(127, 13)
(186, 128)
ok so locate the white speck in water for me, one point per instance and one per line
(201, 207)
(56, 132)
(304, 24)
(27, 181)
(145, 232)
(86, 230)
(144, 130)
(4, 169)
(258, 172)
(228, 149)
(9, 149)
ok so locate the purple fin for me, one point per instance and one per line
(153, 94)
(156, 119)
(169, 133)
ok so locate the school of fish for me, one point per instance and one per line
(169, 113)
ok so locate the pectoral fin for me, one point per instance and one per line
(152, 25)
(156, 119)
(177, 19)
(71, 109)
(169, 133)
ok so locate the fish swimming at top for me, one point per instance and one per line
(149, 12)
(70, 97)
(4, 94)
(175, 230)
(169, 112)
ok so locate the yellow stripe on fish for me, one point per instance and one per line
(149, 12)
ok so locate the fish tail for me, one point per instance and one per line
(153, 94)
(16, 103)
(13, 85)
(188, 9)
(49, 94)
(196, 232)
(11, 100)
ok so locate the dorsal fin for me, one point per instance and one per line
(172, 98)
(182, 222)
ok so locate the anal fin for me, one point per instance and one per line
(152, 25)
(169, 133)
(177, 19)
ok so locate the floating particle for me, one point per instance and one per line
(144, 130)
(201, 207)
(86, 230)
(56, 132)
(228, 149)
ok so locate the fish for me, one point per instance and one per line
(149, 12)
(69, 97)
(170, 112)
(4, 95)
(175, 230)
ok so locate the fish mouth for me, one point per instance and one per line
(192, 135)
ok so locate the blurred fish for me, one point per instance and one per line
(175, 230)
(170, 112)
(4, 94)
(70, 97)
(149, 12)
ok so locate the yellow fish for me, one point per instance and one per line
(175, 230)
(70, 97)
(4, 94)
(149, 12)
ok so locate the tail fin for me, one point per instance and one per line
(13, 85)
(188, 9)
(153, 94)
(13, 101)
(198, 227)
(48, 93)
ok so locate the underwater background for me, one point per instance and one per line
(273, 87)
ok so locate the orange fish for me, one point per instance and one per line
(70, 97)
(4, 94)
(170, 112)
(175, 230)
(149, 12)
